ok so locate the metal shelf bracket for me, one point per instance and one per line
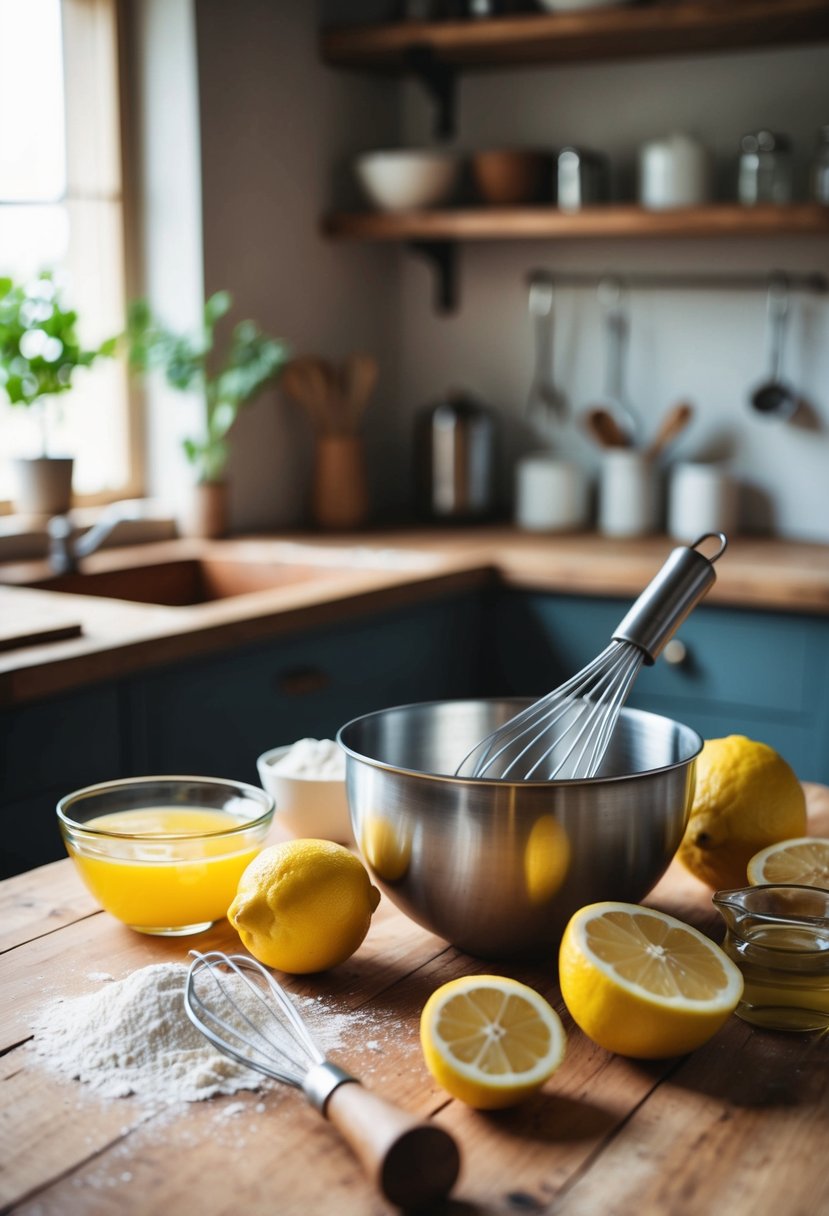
(444, 258)
(439, 80)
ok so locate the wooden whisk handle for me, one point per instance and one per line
(412, 1161)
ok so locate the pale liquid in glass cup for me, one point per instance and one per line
(779, 938)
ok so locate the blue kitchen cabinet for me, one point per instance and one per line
(214, 716)
(761, 674)
(47, 749)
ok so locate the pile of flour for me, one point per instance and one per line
(313, 759)
(133, 1037)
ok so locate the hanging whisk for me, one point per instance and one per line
(243, 1011)
(564, 736)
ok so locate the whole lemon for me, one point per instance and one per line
(746, 797)
(303, 906)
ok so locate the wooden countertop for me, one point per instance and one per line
(738, 1126)
(391, 567)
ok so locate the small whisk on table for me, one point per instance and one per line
(243, 1011)
(565, 735)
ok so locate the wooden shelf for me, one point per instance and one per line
(547, 223)
(674, 27)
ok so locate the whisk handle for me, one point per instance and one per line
(669, 597)
(412, 1161)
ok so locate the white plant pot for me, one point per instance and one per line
(44, 485)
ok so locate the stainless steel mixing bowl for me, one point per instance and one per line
(498, 867)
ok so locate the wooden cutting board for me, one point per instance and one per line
(29, 619)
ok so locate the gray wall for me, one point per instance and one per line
(277, 128)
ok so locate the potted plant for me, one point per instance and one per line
(39, 355)
(250, 362)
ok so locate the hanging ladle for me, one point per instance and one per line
(774, 398)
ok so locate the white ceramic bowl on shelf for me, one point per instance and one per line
(407, 179)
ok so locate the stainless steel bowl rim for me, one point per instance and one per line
(520, 703)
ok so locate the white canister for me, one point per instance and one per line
(673, 172)
(550, 494)
(628, 497)
(701, 498)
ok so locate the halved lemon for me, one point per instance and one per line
(803, 860)
(641, 983)
(490, 1040)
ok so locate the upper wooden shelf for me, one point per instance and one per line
(673, 27)
(514, 223)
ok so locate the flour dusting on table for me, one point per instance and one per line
(133, 1036)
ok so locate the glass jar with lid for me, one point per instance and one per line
(765, 170)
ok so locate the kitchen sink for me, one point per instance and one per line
(222, 572)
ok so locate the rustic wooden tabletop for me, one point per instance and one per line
(739, 1126)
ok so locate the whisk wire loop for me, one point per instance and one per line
(232, 1024)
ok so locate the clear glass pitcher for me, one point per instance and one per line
(779, 938)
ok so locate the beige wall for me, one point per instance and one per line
(277, 128)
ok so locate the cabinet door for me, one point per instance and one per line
(215, 716)
(754, 673)
(48, 749)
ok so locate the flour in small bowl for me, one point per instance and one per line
(312, 759)
(133, 1036)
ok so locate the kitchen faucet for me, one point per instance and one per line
(65, 551)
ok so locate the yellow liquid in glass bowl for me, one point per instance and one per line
(173, 881)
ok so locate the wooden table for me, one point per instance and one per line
(739, 1127)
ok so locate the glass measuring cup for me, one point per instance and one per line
(779, 938)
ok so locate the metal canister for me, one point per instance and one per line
(455, 460)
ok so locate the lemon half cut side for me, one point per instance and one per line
(803, 861)
(490, 1041)
(641, 983)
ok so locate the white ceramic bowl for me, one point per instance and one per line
(306, 807)
(407, 179)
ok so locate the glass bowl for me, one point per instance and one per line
(164, 854)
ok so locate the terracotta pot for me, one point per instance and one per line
(44, 485)
(513, 176)
(207, 512)
(339, 496)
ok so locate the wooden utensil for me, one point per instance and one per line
(306, 383)
(673, 424)
(241, 1009)
(603, 427)
(358, 377)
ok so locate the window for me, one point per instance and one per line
(62, 208)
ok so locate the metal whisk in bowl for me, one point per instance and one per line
(243, 1011)
(565, 735)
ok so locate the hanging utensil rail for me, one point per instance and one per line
(814, 284)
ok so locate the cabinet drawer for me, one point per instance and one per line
(60, 744)
(216, 716)
(756, 660)
(754, 673)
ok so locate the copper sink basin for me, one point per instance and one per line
(184, 582)
(222, 570)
